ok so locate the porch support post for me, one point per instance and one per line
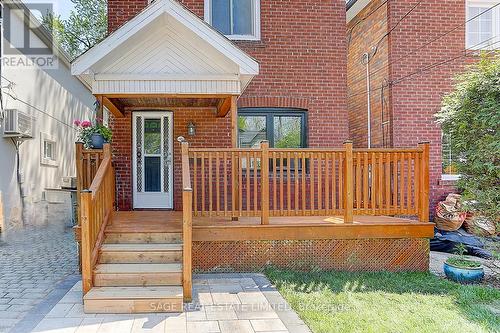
(348, 183)
(86, 246)
(264, 178)
(234, 122)
(234, 144)
(100, 110)
(187, 224)
(424, 183)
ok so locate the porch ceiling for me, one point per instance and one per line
(164, 102)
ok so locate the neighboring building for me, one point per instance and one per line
(52, 99)
(415, 50)
(301, 86)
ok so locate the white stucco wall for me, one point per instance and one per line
(34, 91)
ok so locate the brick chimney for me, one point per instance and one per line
(120, 11)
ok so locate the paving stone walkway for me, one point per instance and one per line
(33, 261)
(224, 303)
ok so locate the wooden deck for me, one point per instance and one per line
(217, 228)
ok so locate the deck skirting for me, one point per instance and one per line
(402, 254)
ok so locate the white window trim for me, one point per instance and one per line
(47, 161)
(495, 17)
(256, 22)
(447, 177)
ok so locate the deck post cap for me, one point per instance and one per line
(347, 141)
(423, 142)
(181, 139)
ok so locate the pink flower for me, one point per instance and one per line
(86, 123)
(77, 122)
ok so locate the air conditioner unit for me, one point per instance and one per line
(17, 124)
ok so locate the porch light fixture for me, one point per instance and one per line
(191, 127)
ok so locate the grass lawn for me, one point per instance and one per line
(387, 302)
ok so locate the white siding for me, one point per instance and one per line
(61, 96)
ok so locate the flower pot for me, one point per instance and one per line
(462, 274)
(97, 141)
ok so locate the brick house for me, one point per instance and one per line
(295, 62)
(415, 49)
(256, 94)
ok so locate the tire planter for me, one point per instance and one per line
(97, 141)
(463, 275)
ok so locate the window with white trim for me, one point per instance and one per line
(450, 157)
(237, 19)
(48, 150)
(483, 29)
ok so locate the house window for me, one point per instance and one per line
(237, 19)
(48, 150)
(283, 128)
(450, 157)
(483, 29)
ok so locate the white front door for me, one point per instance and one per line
(152, 159)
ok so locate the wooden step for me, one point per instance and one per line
(114, 275)
(140, 253)
(133, 299)
(142, 237)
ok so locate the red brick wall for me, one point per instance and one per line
(362, 36)
(416, 99)
(120, 11)
(302, 56)
(211, 131)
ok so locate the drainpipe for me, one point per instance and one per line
(366, 61)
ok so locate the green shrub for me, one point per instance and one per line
(471, 116)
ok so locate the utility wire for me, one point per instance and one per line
(349, 33)
(394, 27)
(411, 52)
(40, 110)
(428, 67)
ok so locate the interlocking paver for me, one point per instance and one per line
(263, 310)
(34, 261)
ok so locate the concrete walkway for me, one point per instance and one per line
(232, 303)
(33, 261)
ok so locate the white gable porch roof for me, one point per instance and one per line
(166, 49)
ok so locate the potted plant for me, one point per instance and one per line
(462, 270)
(92, 135)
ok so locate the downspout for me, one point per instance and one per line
(366, 61)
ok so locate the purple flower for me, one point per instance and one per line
(85, 124)
(77, 122)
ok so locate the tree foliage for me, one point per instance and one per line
(86, 26)
(470, 114)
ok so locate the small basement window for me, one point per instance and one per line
(237, 19)
(450, 158)
(48, 150)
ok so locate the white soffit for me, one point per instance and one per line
(166, 49)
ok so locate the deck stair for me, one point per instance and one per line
(138, 270)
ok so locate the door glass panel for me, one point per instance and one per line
(138, 147)
(287, 132)
(152, 136)
(251, 131)
(152, 173)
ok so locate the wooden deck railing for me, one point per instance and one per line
(268, 182)
(187, 224)
(97, 205)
